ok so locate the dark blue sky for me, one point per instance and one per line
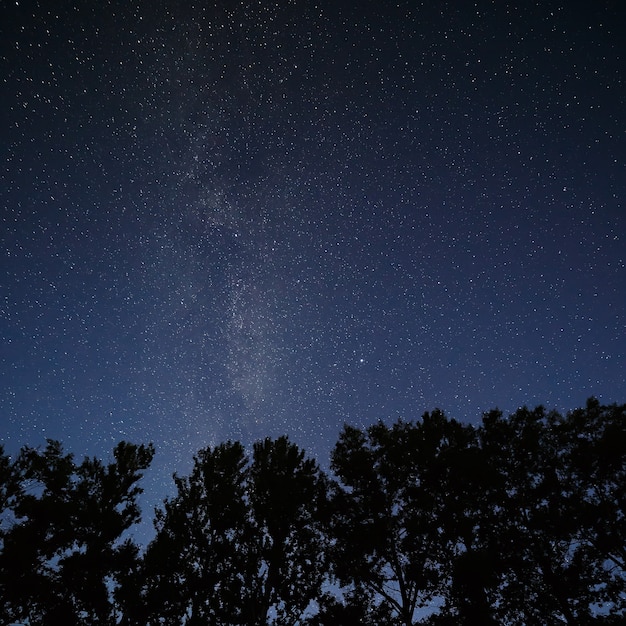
(269, 218)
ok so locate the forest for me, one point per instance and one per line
(518, 519)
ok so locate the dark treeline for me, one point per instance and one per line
(520, 520)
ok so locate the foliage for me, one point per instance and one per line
(398, 521)
(241, 542)
(63, 557)
(518, 520)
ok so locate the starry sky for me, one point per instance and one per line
(232, 220)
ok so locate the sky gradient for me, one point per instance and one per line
(264, 218)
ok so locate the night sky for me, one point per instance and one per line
(265, 218)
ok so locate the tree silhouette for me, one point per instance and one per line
(63, 558)
(241, 542)
(196, 569)
(549, 571)
(594, 451)
(517, 520)
(393, 525)
(521, 520)
(352, 609)
(288, 504)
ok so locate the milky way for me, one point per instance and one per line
(259, 219)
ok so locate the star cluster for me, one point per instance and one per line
(249, 219)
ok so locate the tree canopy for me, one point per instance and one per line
(63, 557)
(520, 519)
